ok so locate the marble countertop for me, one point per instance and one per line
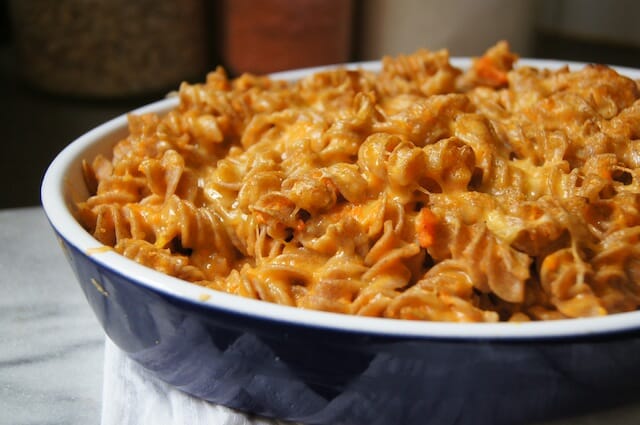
(51, 345)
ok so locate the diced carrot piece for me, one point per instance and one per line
(488, 70)
(426, 227)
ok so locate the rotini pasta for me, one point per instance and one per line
(419, 192)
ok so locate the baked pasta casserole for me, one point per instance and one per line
(422, 191)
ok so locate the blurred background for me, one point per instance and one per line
(68, 65)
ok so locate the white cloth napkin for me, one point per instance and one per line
(132, 396)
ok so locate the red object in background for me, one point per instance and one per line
(262, 36)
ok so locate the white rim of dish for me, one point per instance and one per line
(54, 193)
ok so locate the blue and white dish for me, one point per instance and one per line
(322, 368)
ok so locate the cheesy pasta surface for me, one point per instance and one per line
(419, 192)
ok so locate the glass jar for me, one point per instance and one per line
(109, 48)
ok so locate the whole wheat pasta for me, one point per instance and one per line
(419, 192)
